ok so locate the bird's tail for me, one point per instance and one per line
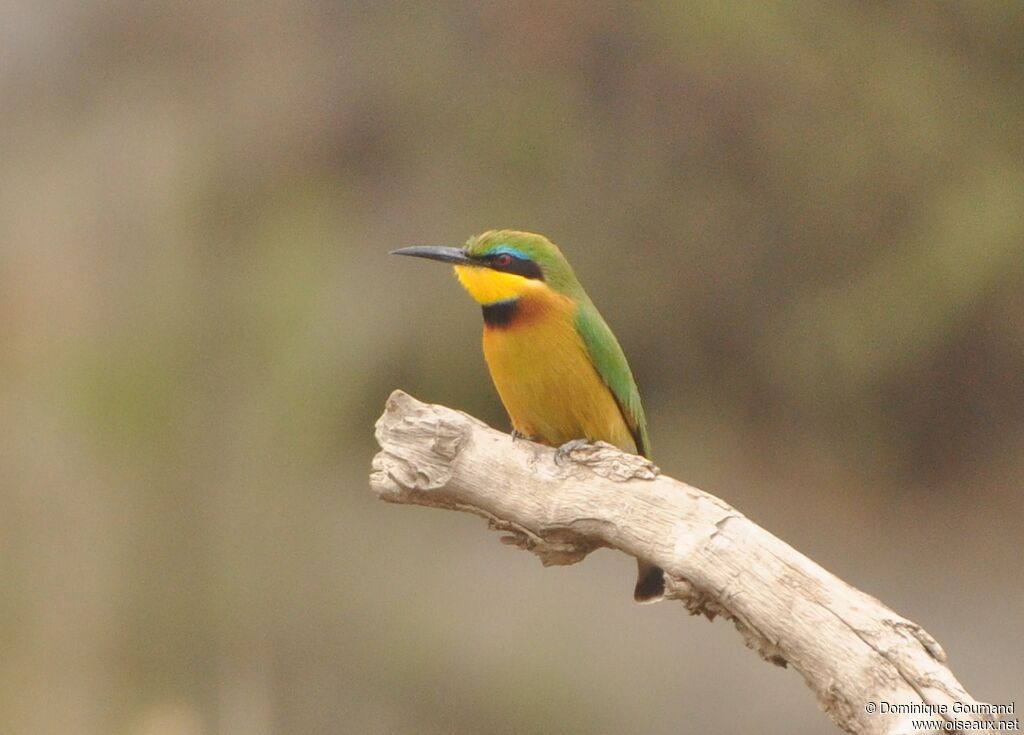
(650, 582)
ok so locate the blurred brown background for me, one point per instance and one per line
(804, 220)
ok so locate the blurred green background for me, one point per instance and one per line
(805, 221)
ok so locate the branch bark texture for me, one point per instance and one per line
(850, 648)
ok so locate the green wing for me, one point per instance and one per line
(610, 361)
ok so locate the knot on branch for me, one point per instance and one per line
(554, 546)
(924, 638)
(607, 461)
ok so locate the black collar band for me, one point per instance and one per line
(500, 313)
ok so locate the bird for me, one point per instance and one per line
(558, 368)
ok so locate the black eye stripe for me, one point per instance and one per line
(508, 263)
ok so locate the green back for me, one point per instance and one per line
(611, 365)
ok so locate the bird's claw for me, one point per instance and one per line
(563, 452)
(516, 434)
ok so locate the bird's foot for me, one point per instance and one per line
(563, 452)
(516, 434)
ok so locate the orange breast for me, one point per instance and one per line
(545, 378)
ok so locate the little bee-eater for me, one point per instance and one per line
(558, 368)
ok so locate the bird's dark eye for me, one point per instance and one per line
(518, 265)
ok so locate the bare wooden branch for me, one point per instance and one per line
(853, 651)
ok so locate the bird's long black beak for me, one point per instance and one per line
(437, 252)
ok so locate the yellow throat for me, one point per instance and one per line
(488, 286)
